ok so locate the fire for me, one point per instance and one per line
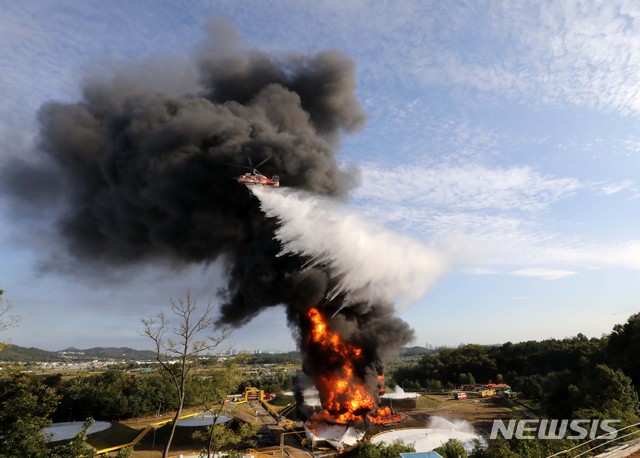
(381, 387)
(385, 415)
(343, 393)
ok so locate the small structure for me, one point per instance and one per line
(399, 399)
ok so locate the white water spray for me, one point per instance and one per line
(464, 426)
(369, 262)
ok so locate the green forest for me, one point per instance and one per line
(577, 377)
(597, 377)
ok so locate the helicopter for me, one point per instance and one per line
(256, 178)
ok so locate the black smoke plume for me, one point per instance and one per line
(148, 177)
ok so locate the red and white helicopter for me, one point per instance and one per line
(256, 178)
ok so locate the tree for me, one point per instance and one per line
(221, 436)
(453, 448)
(562, 394)
(113, 395)
(210, 391)
(519, 448)
(7, 320)
(126, 452)
(623, 348)
(529, 386)
(466, 378)
(370, 450)
(78, 446)
(25, 407)
(179, 355)
(610, 394)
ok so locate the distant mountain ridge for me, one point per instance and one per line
(416, 351)
(109, 352)
(16, 353)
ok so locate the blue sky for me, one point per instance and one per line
(505, 133)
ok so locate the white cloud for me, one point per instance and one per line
(577, 52)
(546, 274)
(468, 187)
(625, 254)
(489, 218)
(614, 188)
(480, 271)
(632, 145)
(494, 241)
(49, 47)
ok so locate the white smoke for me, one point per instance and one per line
(464, 426)
(369, 262)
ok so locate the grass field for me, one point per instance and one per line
(480, 412)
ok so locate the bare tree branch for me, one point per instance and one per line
(6, 319)
(179, 355)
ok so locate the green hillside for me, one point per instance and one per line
(108, 353)
(15, 353)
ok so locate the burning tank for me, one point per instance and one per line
(348, 397)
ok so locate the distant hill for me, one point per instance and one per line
(107, 353)
(16, 353)
(415, 351)
(292, 357)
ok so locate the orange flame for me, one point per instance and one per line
(342, 392)
(385, 415)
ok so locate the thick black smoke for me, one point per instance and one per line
(149, 177)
